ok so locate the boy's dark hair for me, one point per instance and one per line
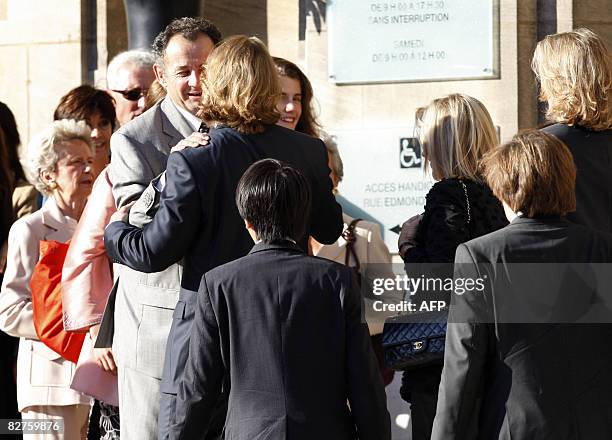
(190, 28)
(275, 198)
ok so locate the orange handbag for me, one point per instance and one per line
(46, 291)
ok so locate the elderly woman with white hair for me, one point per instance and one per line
(59, 163)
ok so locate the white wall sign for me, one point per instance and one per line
(405, 40)
(383, 178)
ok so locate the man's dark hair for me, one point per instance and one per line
(188, 27)
(275, 198)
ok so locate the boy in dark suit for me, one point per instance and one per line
(281, 331)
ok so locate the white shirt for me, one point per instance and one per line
(193, 121)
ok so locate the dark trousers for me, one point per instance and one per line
(420, 389)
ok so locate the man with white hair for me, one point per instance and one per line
(129, 76)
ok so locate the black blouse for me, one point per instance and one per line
(445, 226)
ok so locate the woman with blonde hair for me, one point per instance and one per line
(455, 132)
(198, 223)
(575, 74)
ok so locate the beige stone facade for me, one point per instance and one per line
(40, 57)
(43, 54)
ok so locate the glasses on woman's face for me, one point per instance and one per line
(133, 94)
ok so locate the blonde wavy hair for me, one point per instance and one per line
(575, 73)
(241, 87)
(455, 132)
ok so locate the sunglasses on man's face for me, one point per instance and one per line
(132, 94)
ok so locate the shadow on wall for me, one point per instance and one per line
(315, 8)
(251, 19)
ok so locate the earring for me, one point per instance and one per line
(52, 184)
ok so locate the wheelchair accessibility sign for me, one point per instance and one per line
(380, 185)
(410, 153)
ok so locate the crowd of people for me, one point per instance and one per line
(184, 225)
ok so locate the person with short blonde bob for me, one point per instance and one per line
(507, 370)
(575, 74)
(244, 99)
(455, 132)
(198, 223)
(59, 163)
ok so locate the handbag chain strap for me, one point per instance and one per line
(467, 202)
(350, 237)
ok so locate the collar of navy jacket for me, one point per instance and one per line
(278, 245)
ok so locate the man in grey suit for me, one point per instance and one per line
(145, 302)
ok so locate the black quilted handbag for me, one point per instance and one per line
(415, 340)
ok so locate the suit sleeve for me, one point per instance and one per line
(326, 214)
(467, 334)
(366, 393)
(201, 385)
(16, 315)
(170, 234)
(129, 169)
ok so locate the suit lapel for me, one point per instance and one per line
(61, 227)
(173, 124)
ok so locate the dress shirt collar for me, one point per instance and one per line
(193, 121)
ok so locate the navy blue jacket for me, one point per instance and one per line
(285, 331)
(198, 220)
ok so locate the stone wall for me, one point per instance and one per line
(43, 53)
(40, 57)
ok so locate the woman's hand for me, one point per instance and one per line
(195, 139)
(104, 358)
(122, 214)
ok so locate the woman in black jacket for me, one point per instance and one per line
(455, 132)
(575, 74)
(528, 354)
